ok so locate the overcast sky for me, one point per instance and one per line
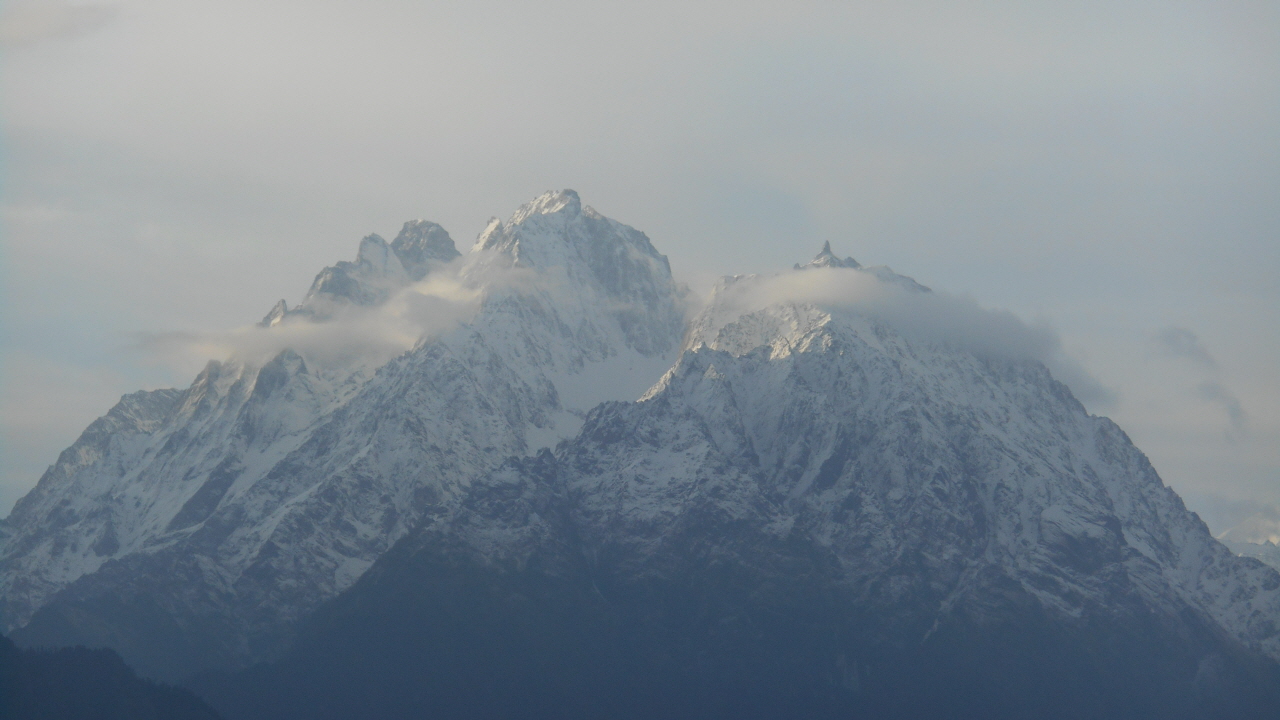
(1111, 169)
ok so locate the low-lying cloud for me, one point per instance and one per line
(918, 313)
(346, 336)
(1183, 346)
(1178, 342)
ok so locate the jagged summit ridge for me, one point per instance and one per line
(275, 315)
(826, 258)
(422, 246)
(380, 268)
(556, 230)
(579, 248)
(369, 280)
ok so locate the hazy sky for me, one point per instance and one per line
(1111, 169)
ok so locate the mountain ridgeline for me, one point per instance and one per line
(573, 502)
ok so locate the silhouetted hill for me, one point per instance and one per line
(75, 683)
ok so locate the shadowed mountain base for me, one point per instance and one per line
(422, 636)
(81, 684)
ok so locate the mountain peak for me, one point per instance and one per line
(276, 315)
(555, 230)
(614, 265)
(551, 202)
(374, 252)
(564, 203)
(367, 281)
(420, 244)
(826, 258)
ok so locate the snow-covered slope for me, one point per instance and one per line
(828, 426)
(818, 511)
(190, 528)
(878, 447)
(837, 446)
(155, 468)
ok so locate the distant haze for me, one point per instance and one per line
(1106, 173)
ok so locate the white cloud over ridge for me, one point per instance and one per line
(344, 337)
(920, 314)
(1179, 342)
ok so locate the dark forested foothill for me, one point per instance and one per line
(78, 683)
(424, 636)
(721, 621)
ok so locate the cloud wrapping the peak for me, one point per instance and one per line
(921, 316)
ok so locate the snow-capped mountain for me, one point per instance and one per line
(832, 490)
(189, 529)
(813, 513)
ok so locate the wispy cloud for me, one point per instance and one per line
(349, 336)
(29, 23)
(1214, 392)
(1178, 342)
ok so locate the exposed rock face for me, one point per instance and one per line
(422, 246)
(380, 269)
(826, 258)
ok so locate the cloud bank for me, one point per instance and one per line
(1178, 342)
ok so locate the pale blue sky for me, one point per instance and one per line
(1110, 168)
